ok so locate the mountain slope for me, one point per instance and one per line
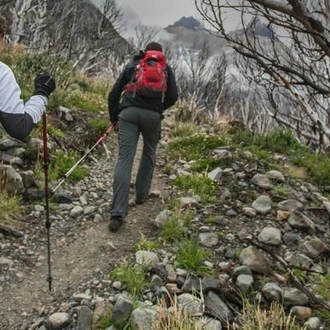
(77, 30)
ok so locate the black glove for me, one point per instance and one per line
(44, 84)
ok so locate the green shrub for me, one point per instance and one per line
(283, 141)
(178, 224)
(183, 130)
(211, 219)
(146, 244)
(133, 277)
(320, 172)
(304, 158)
(209, 164)
(317, 165)
(201, 186)
(190, 256)
(323, 285)
(99, 125)
(62, 163)
(243, 138)
(30, 155)
(52, 130)
(87, 101)
(194, 147)
(9, 205)
(99, 86)
(280, 141)
(282, 189)
(104, 321)
(82, 83)
(324, 315)
(172, 230)
(260, 153)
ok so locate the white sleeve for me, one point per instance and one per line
(10, 97)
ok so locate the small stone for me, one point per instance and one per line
(282, 215)
(301, 312)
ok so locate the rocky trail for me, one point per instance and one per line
(82, 248)
(267, 236)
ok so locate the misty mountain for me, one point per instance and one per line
(190, 43)
(188, 23)
(189, 33)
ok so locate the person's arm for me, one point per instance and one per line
(172, 90)
(17, 118)
(116, 91)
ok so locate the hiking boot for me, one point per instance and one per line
(116, 222)
(139, 202)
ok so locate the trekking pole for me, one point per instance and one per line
(48, 223)
(67, 174)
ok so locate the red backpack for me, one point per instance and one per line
(150, 77)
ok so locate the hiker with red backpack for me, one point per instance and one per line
(137, 100)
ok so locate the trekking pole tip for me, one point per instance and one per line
(49, 280)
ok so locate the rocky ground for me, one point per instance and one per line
(82, 248)
(256, 234)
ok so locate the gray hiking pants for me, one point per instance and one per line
(132, 122)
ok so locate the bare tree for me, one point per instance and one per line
(76, 30)
(26, 19)
(285, 50)
(201, 80)
(85, 34)
(143, 34)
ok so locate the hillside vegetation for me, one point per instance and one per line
(218, 176)
(76, 115)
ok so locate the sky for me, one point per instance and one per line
(163, 12)
(160, 12)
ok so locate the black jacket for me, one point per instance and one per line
(116, 103)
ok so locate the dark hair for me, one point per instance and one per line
(154, 46)
(3, 25)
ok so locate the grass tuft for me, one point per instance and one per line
(194, 147)
(146, 244)
(183, 130)
(175, 318)
(323, 286)
(201, 185)
(190, 256)
(172, 230)
(62, 163)
(133, 277)
(255, 318)
(9, 205)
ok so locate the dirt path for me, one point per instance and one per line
(88, 255)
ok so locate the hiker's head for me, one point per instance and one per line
(3, 28)
(154, 46)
